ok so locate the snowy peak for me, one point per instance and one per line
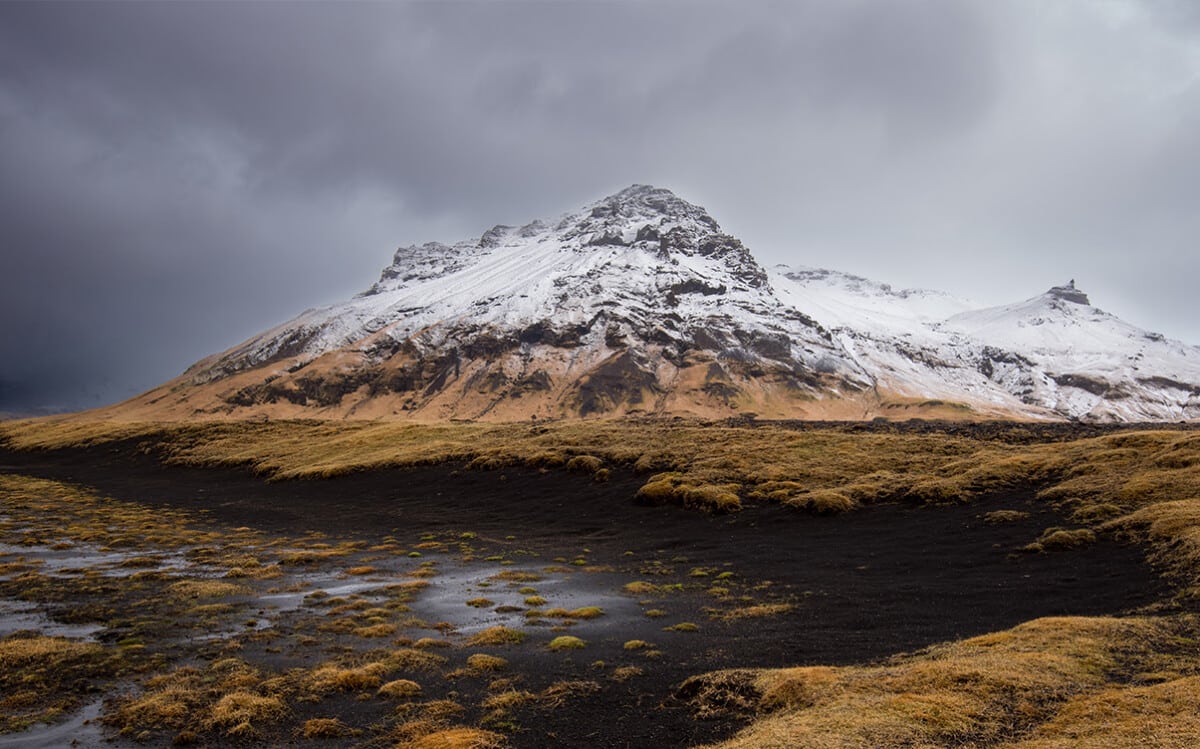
(639, 204)
(640, 219)
(639, 304)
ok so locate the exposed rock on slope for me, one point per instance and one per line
(640, 304)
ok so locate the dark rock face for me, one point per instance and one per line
(1069, 293)
(992, 356)
(618, 381)
(607, 239)
(544, 332)
(1083, 382)
(1168, 383)
(492, 237)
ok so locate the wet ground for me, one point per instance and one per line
(436, 555)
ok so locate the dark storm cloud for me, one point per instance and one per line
(176, 177)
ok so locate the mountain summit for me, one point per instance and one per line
(640, 304)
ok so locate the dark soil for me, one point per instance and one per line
(865, 585)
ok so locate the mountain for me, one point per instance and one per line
(640, 304)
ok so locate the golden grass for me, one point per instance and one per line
(1004, 516)
(1141, 484)
(18, 652)
(41, 677)
(583, 612)
(682, 627)
(383, 629)
(229, 697)
(1046, 683)
(324, 728)
(411, 659)
(1173, 529)
(330, 678)
(642, 588)
(567, 642)
(508, 699)
(1160, 715)
(456, 738)
(206, 589)
(702, 466)
(497, 635)
(400, 689)
(755, 611)
(561, 692)
(483, 662)
(239, 711)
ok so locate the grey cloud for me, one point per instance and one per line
(178, 176)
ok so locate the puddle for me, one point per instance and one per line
(80, 557)
(80, 730)
(16, 616)
(292, 600)
(445, 598)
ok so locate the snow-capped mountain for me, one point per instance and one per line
(640, 304)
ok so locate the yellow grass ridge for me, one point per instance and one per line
(1052, 681)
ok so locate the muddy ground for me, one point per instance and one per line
(851, 588)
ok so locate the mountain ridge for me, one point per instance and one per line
(640, 304)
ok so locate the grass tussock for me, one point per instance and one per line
(331, 678)
(497, 635)
(1004, 516)
(206, 589)
(413, 660)
(1062, 539)
(675, 488)
(400, 689)
(456, 738)
(237, 713)
(755, 611)
(484, 663)
(324, 728)
(561, 692)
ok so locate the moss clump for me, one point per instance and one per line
(567, 642)
(682, 627)
(1062, 539)
(497, 636)
(823, 502)
(585, 464)
(482, 662)
(1004, 516)
(324, 728)
(400, 689)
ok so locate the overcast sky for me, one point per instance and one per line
(177, 177)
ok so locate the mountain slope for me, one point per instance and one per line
(640, 304)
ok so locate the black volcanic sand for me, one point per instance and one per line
(864, 585)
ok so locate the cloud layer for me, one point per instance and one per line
(176, 177)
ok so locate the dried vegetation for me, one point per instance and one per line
(1049, 683)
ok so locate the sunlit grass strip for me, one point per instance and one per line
(1046, 683)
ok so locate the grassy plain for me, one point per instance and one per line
(1120, 681)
